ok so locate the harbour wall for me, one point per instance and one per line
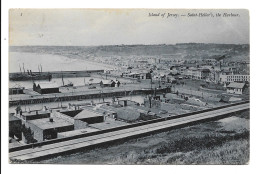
(59, 74)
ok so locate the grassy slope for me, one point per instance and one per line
(219, 142)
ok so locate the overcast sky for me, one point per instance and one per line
(82, 27)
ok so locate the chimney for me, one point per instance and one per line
(51, 119)
(125, 102)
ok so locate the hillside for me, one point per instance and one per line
(178, 51)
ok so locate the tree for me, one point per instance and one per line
(28, 134)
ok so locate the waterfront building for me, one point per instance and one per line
(13, 91)
(107, 83)
(46, 88)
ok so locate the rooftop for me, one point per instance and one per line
(109, 123)
(47, 85)
(87, 114)
(128, 113)
(236, 85)
(106, 81)
(13, 118)
(44, 123)
(33, 113)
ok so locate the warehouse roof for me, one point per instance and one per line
(45, 123)
(33, 113)
(47, 85)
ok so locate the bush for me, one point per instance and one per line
(198, 143)
(28, 134)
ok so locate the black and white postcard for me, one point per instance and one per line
(129, 86)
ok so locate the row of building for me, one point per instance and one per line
(54, 123)
(201, 73)
(47, 88)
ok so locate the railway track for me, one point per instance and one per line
(75, 145)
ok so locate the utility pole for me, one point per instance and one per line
(150, 100)
(151, 83)
(23, 68)
(62, 78)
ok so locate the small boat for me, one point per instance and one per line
(70, 84)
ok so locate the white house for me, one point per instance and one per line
(235, 88)
(234, 78)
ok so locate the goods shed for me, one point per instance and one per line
(46, 88)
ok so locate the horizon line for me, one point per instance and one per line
(133, 44)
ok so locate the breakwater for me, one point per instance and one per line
(59, 74)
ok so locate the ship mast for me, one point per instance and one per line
(20, 69)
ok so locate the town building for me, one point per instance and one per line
(224, 78)
(214, 76)
(15, 125)
(138, 74)
(81, 118)
(48, 128)
(235, 88)
(197, 73)
(86, 117)
(14, 91)
(33, 115)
